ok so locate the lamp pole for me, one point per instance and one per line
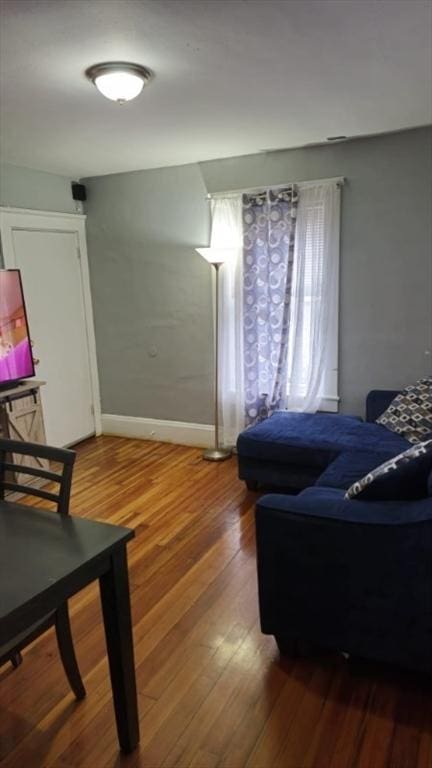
(218, 452)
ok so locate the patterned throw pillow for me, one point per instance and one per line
(410, 413)
(403, 477)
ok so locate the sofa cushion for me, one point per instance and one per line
(403, 477)
(377, 401)
(410, 413)
(274, 475)
(315, 439)
(348, 467)
(331, 503)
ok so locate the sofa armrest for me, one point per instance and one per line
(329, 504)
(377, 401)
(329, 576)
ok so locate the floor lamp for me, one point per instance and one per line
(216, 257)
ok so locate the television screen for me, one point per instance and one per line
(16, 360)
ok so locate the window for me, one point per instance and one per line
(309, 379)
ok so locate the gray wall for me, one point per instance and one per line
(152, 293)
(26, 188)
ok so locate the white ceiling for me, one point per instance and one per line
(232, 77)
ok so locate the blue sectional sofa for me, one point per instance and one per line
(350, 575)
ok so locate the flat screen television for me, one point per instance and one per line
(16, 359)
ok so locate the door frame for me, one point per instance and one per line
(12, 219)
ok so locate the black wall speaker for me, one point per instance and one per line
(78, 191)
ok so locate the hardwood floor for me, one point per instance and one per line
(212, 689)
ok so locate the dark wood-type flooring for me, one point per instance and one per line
(212, 689)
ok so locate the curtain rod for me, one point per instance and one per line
(339, 180)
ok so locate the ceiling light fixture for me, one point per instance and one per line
(119, 80)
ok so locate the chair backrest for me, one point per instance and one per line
(10, 449)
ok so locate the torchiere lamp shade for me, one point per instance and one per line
(215, 255)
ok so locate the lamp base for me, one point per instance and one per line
(217, 454)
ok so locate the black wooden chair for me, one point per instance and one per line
(41, 454)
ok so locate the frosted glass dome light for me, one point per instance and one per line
(118, 80)
(119, 86)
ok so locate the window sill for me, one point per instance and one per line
(329, 404)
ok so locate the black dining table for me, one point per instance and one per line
(46, 558)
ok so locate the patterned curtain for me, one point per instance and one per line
(268, 234)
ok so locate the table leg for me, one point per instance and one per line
(114, 588)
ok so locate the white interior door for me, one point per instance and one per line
(51, 271)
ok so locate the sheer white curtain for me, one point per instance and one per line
(312, 350)
(227, 233)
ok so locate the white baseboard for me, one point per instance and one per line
(180, 432)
